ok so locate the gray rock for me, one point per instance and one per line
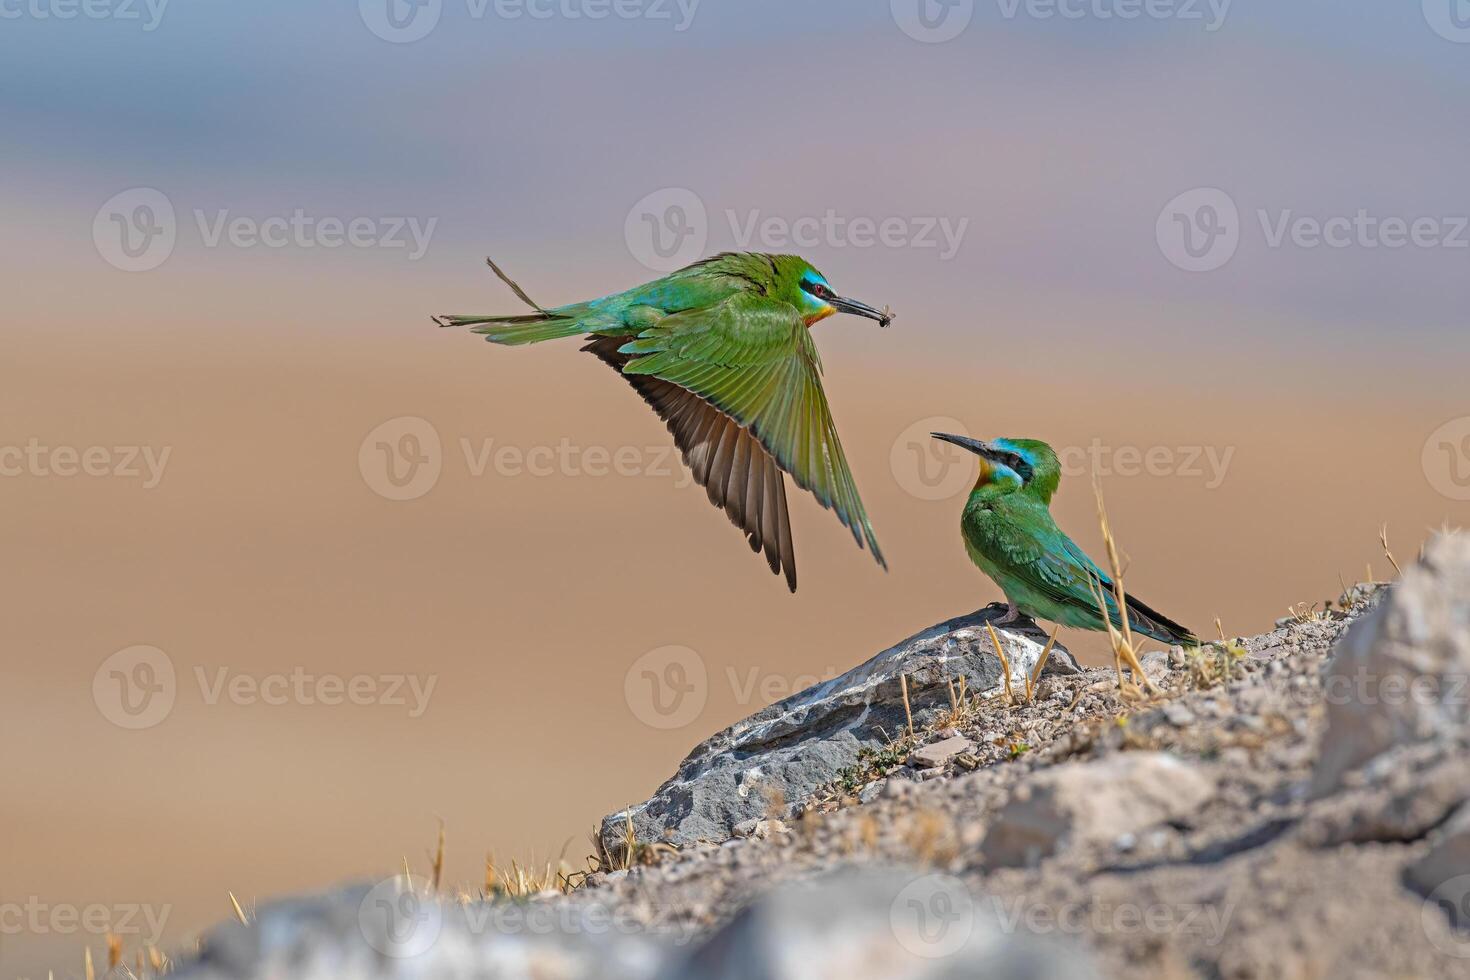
(1399, 796)
(876, 926)
(1094, 802)
(1443, 875)
(1401, 675)
(788, 750)
(936, 754)
(759, 829)
(388, 931)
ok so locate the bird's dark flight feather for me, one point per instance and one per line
(737, 472)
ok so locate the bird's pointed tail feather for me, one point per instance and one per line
(529, 328)
(1155, 624)
(526, 328)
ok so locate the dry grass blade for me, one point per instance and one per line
(1005, 664)
(114, 951)
(87, 970)
(438, 875)
(1124, 650)
(903, 683)
(1035, 677)
(1383, 540)
(239, 912)
(630, 843)
(156, 960)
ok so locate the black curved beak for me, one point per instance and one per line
(975, 446)
(858, 308)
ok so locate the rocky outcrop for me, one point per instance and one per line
(1402, 674)
(776, 758)
(1253, 818)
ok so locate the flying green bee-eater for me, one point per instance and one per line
(1009, 533)
(722, 352)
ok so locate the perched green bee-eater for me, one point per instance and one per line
(1010, 535)
(721, 351)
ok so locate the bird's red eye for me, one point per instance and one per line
(820, 290)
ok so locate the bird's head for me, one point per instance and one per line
(1012, 465)
(801, 285)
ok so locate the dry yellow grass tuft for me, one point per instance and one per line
(1125, 650)
(239, 912)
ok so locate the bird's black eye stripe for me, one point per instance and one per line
(1019, 464)
(816, 289)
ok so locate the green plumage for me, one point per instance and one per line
(722, 350)
(1010, 535)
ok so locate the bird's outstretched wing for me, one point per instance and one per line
(747, 484)
(752, 360)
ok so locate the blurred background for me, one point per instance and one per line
(289, 575)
